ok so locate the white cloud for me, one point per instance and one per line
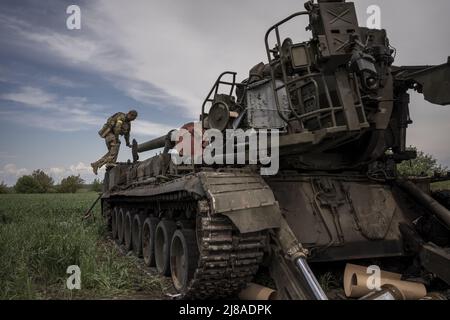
(80, 167)
(10, 173)
(53, 112)
(56, 171)
(430, 130)
(149, 129)
(64, 82)
(12, 169)
(76, 49)
(7, 155)
(31, 96)
(60, 122)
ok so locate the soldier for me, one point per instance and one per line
(117, 125)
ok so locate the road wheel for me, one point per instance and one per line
(148, 241)
(183, 258)
(114, 223)
(107, 213)
(127, 231)
(120, 223)
(136, 235)
(163, 237)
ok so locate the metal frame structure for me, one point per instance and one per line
(320, 113)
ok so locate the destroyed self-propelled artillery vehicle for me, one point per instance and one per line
(339, 106)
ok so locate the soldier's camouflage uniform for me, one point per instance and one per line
(117, 125)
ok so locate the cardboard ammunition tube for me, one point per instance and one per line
(355, 283)
(387, 292)
(256, 292)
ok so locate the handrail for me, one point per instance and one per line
(272, 73)
(215, 89)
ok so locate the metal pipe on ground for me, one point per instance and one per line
(310, 278)
(297, 254)
(426, 200)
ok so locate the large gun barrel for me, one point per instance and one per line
(152, 144)
(164, 141)
(427, 201)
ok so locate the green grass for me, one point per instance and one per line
(444, 185)
(41, 235)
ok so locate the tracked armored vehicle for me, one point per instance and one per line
(340, 107)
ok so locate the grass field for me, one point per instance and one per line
(444, 185)
(41, 235)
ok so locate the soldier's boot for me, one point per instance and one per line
(94, 166)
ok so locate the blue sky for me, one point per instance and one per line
(57, 86)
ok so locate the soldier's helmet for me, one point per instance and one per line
(132, 114)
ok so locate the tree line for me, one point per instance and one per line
(40, 182)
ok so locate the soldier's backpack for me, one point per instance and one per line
(109, 125)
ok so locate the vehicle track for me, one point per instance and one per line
(226, 260)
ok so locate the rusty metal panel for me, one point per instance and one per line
(352, 219)
(189, 183)
(233, 188)
(117, 175)
(339, 21)
(249, 203)
(262, 109)
(386, 106)
(241, 200)
(347, 100)
(374, 207)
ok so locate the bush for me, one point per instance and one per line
(424, 165)
(97, 186)
(71, 184)
(27, 184)
(37, 182)
(44, 180)
(3, 188)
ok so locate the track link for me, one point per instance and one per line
(228, 260)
